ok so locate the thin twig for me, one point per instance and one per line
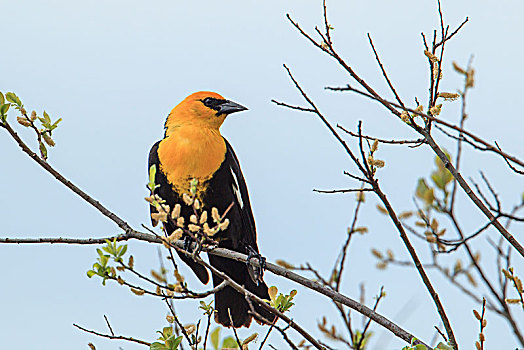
(344, 190)
(489, 147)
(109, 325)
(345, 247)
(448, 165)
(392, 142)
(384, 72)
(267, 334)
(207, 329)
(114, 337)
(177, 321)
(363, 335)
(234, 328)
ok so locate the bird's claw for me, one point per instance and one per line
(255, 272)
(187, 243)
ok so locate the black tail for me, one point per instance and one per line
(199, 270)
(230, 299)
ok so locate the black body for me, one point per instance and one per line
(240, 236)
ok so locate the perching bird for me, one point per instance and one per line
(193, 148)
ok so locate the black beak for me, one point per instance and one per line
(229, 107)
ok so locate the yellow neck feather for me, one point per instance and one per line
(191, 151)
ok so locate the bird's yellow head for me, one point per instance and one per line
(204, 109)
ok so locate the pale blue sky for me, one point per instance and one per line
(114, 69)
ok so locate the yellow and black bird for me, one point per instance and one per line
(193, 148)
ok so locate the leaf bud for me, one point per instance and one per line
(374, 147)
(176, 235)
(190, 329)
(138, 291)
(448, 96)
(284, 264)
(215, 215)
(404, 116)
(193, 219)
(477, 315)
(187, 199)
(176, 211)
(457, 68)
(224, 224)
(48, 139)
(193, 227)
(203, 217)
(23, 121)
(431, 56)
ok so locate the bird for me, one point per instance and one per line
(193, 148)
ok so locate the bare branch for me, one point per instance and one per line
(114, 337)
(384, 72)
(393, 142)
(345, 190)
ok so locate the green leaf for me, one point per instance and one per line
(91, 273)
(11, 97)
(2, 98)
(438, 180)
(47, 118)
(167, 332)
(422, 187)
(3, 110)
(215, 337)
(230, 343)
(420, 347)
(123, 250)
(174, 343)
(55, 124)
(158, 346)
(43, 150)
(273, 293)
(152, 175)
(104, 259)
(443, 346)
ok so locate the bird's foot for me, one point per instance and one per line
(187, 243)
(255, 272)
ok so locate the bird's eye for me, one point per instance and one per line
(207, 101)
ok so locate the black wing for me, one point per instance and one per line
(228, 186)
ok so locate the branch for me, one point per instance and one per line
(447, 163)
(114, 337)
(369, 174)
(474, 137)
(225, 253)
(392, 142)
(344, 190)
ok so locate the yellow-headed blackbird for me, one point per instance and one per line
(193, 148)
